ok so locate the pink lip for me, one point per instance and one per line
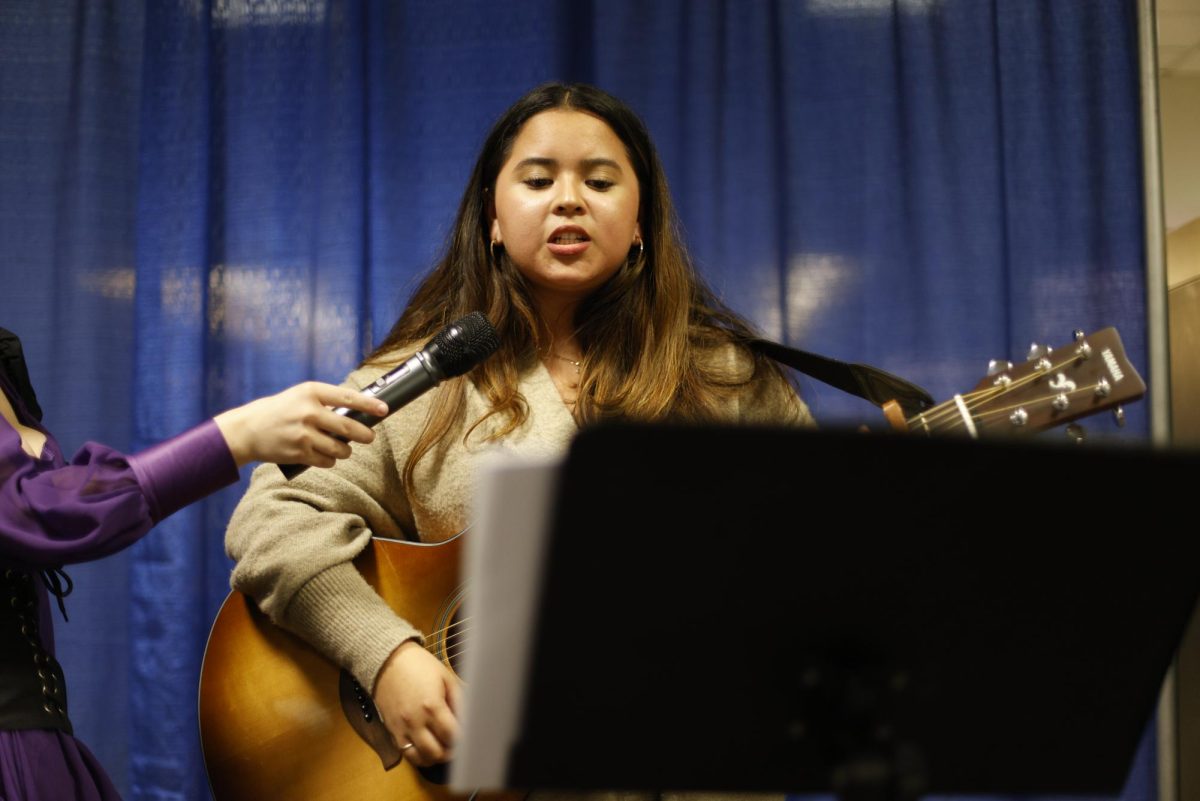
(571, 249)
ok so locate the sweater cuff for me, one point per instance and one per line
(342, 616)
(184, 469)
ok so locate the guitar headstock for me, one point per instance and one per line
(1054, 387)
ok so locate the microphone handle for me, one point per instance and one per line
(398, 388)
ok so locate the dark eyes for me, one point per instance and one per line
(599, 184)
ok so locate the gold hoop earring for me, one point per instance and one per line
(640, 253)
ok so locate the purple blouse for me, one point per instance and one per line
(54, 513)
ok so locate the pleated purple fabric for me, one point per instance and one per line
(40, 765)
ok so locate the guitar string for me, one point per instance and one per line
(454, 653)
(457, 636)
(453, 641)
(446, 630)
(946, 414)
(952, 418)
(451, 652)
(992, 417)
(455, 644)
(935, 415)
(935, 419)
(974, 398)
(434, 646)
(993, 413)
(982, 416)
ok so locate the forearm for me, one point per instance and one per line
(341, 616)
(104, 500)
(295, 542)
(184, 469)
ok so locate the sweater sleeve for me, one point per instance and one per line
(294, 543)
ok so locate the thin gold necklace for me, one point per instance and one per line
(578, 363)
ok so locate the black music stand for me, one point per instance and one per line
(875, 615)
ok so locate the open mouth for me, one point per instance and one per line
(569, 239)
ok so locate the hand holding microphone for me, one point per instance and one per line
(452, 352)
(297, 425)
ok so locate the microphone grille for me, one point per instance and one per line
(464, 343)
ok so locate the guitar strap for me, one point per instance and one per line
(861, 380)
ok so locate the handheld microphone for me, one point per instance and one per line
(453, 351)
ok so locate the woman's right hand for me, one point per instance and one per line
(418, 698)
(297, 426)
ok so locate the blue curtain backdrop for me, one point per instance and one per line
(203, 201)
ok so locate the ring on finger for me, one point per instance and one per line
(406, 747)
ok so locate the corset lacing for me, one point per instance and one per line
(21, 599)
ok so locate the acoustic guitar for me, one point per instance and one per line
(279, 721)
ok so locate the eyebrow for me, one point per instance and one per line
(537, 161)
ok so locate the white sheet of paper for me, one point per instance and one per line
(503, 567)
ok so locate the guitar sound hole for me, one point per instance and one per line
(436, 774)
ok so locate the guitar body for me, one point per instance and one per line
(272, 724)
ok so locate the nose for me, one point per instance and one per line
(570, 199)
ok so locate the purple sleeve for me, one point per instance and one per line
(184, 469)
(103, 500)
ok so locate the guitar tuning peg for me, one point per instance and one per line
(1078, 334)
(1076, 434)
(1037, 351)
(1119, 416)
(996, 366)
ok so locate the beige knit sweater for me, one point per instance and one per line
(294, 540)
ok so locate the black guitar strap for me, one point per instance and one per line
(860, 380)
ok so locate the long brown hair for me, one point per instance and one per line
(643, 334)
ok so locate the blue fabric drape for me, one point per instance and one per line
(201, 202)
